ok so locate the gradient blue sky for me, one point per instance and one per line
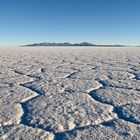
(96, 21)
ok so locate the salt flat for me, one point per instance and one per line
(71, 93)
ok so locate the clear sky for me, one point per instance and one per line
(95, 21)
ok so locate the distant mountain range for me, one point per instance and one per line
(61, 44)
(72, 44)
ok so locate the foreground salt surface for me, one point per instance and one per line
(70, 93)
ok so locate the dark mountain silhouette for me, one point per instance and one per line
(61, 44)
(72, 44)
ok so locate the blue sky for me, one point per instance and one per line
(96, 21)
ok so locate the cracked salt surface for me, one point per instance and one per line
(113, 130)
(18, 132)
(65, 111)
(69, 93)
